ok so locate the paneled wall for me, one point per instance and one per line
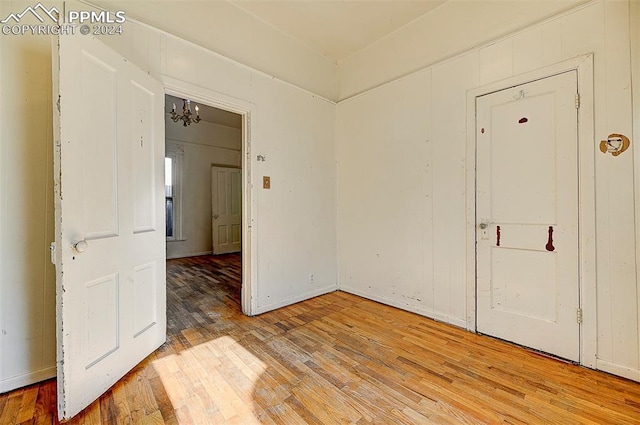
(401, 155)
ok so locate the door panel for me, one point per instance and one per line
(101, 301)
(226, 207)
(527, 215)
(99, 152)
(525, 153)
(517, 290)
(109, 136)
(144, 176)
(146, 297)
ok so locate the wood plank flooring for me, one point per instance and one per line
(334, 359)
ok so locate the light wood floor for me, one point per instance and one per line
(333, 359)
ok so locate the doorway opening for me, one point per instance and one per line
(204, 194)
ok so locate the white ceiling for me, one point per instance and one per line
(337, 28)
(207, 113)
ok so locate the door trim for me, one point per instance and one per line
(583, 65)
(219, 100)
(231, 167)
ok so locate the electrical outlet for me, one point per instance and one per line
(312, 279)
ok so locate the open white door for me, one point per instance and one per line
(226, 209)
(110, 255)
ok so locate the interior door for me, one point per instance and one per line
(110, 254)
(226, 209)
(527, 215)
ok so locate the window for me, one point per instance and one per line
(173, 191)
(169, 196)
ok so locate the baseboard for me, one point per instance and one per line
(407, 307)
(293, 300)
(15, 382)
(192, 254)
(623, 371)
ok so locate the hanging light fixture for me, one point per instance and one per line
(187, 116)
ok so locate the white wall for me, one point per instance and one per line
(27, 279)
(201, 145)
(401, 155)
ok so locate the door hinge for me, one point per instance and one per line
(577, 100)
(579, 315)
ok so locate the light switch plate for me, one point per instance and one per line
(266, 182)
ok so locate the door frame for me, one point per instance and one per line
(183, 89)
(583, 65)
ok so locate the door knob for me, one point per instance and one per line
(81, 246)
(483, 225)
(216, 216)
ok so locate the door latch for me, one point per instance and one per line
(484, 234)
(52, 249)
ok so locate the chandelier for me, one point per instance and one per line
(187, 116)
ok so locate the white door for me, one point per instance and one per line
(226, 210)
(109, 153)
(527, 215)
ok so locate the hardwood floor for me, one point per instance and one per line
(334, 359)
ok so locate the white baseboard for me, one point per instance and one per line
(623, 371)
(191, 254)
(10, 384)
(293, 300)
(456, 321)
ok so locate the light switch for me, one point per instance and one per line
(266, 182)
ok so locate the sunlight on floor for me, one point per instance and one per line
(212, 382)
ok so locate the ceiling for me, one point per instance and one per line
(337, 28)
(334, 28)
(207, 113)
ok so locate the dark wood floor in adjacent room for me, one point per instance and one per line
(334, 359)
